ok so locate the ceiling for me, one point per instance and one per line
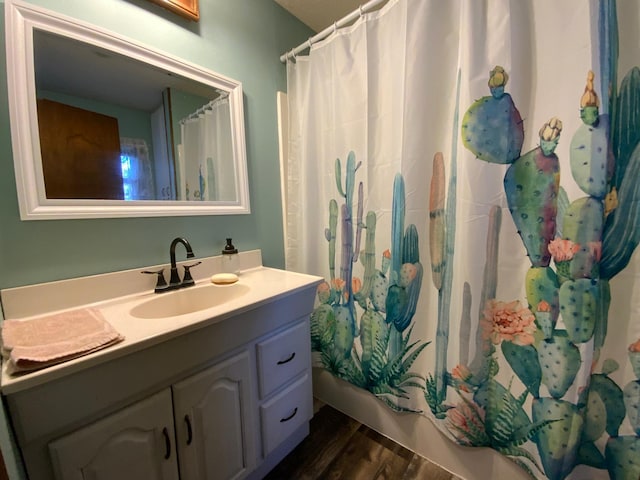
(319, 14)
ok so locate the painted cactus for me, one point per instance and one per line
(438, 248)
(603, 407)
(622, 228)
(542, 287)
(632, 390)
(558, 443)
(406, 270)
(626, 124)
(484, 348)
(622, 453)
(583, 225)
(573, 292)
(531, 184)
(623, 457)
(492, 127)
(385, 299)
(591, 157)
(559, 362)
(590, 240)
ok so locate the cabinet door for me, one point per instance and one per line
(134, 443)
(214, 421)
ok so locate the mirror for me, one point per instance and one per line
(102, 126)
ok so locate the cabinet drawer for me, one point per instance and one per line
(282, 357)
(285, 412)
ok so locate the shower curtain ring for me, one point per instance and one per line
(360, 10)
(335, 27)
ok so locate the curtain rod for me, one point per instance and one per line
(329, 30)
(204, 108)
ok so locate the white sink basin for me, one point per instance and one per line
(188, 300)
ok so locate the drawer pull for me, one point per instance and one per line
(167, 443)
(282, 362)
(189, 430)
(282, 420)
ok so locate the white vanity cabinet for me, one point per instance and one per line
(213, 434)
(136, 442)
(226, 400)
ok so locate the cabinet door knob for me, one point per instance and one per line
(189, 430)
(167, 443)
(287, 360)
(282, 420)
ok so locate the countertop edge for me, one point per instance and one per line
(12, 384)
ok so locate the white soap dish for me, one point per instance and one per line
(224, 278)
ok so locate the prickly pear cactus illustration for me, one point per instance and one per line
(492, 127)
(623, 457)
(531, 184)
(559, 363)
(361, 325)
(575, 248)
(558, 443)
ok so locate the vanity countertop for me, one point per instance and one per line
(264, 284)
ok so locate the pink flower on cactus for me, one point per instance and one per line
(356, 284)
(323, 288)
(338, 284)
(543, 306)
(461, 373)
(595, 249)
(635, 346)
(466, 422)
(507, 321)
(386, 253)
(563, 250)
(324, 292)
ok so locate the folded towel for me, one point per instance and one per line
(42, 341)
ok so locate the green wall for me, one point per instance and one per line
(241, 39)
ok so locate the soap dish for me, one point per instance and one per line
(224, 278)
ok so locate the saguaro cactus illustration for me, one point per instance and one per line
(385, 299)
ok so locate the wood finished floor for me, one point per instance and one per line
(339, 447)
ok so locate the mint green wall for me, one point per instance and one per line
(241, 39)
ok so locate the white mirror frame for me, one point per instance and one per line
(20, 21)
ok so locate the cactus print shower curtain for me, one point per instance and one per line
(466, 177)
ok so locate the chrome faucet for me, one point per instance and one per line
(175, 281)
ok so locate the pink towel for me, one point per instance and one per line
(43, 341)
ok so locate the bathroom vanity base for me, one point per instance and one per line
(202, 397)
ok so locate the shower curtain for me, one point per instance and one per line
(465, 176)
(206, 169)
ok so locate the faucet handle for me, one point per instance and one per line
(187, 280)
(161, 284)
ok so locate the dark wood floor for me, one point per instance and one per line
(338, 447)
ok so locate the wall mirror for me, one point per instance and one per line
(103, 126)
